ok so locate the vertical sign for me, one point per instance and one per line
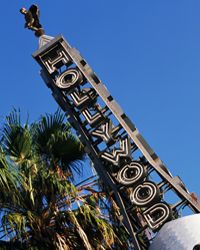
(121, 156)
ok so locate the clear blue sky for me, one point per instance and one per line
(146, 52)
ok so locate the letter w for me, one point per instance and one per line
(117, 153)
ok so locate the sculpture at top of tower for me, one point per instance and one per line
(32, 19)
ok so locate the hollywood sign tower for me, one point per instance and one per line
(128, 166)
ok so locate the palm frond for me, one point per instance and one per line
(54, 140)
(16, 139)
(8, 175)
(50, 212)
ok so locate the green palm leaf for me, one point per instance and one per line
(16, 139)
(48, 211)
(54, 140)
(7, 174)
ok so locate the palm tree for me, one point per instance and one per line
(41, 207)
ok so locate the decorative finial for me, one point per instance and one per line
(32, 19)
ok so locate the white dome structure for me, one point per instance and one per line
(179, 234)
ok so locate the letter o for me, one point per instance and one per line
(69, 78)
(145, 194)
(131, 173)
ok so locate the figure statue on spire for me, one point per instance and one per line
(32, 19)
